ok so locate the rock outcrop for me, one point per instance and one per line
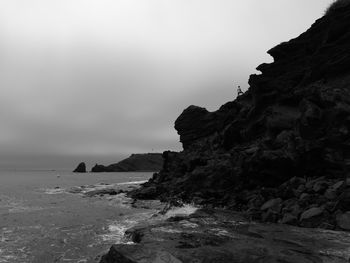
(285, 141)
(225, 237)
(81, 168)
(99, 168)
(147, 162)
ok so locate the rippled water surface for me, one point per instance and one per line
(42, 220)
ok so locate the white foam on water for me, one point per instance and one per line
(54, 191)
(23, 209)
(119, 200)
(11, 205)
(133, 182)
(184, 210)
(188, 224)
(116, 229)
(167, 230)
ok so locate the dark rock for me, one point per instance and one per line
(150, 162)
(320, 186)
(344, 201)
(146, 162)
(313, 217)
(194, 123)
(287, 137)
(273, 204)
(99, 168)
(300, 190)
(304, 197)
(292, 207)
(337, 186)
(330, 194)
(289, 219)
(343, 221)
(101, 192)
(312, 182)
(146, 193)
(270, 216)
(312, 212)
(81, 168)
(224, 237)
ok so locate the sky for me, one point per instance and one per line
(97, 80)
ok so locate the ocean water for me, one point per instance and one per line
(45, 217)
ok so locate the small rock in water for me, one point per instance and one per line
(81, 168)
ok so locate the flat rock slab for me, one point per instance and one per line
(221, 236)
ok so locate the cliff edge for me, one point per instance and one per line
(280, 149)
(136, 162)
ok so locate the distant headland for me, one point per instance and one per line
(145, 162)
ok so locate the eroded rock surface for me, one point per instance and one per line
(220, 236)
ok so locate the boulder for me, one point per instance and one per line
(344, 200)
(320, 186)
(310, 213)
(273, 204)
(304, 197)
(289, 218)
(81, 168)
(343, 220)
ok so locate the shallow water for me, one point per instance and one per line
(42, 221)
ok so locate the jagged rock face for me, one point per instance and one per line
(81, 168)
(293, 121)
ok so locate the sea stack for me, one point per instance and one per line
(81, 168)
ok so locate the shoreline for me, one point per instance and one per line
(224, 235)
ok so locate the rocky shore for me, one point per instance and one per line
(223, 236)
(279, 153)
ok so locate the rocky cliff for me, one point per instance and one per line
(282, 145)
(81, 168)
(135, 162)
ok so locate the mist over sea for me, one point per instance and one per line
(43, 220)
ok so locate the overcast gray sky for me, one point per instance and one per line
(96, 80)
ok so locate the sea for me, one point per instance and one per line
(46, 217)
